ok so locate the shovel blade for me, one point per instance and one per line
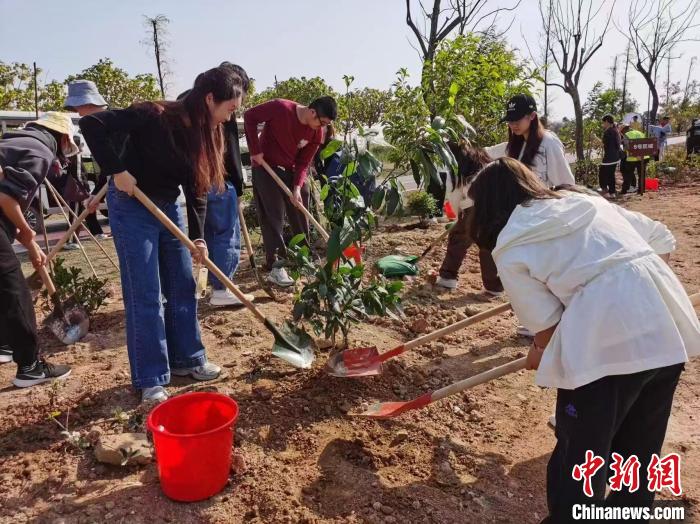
(69, 325)
(358, 362)
(383, 410)
(292, 345)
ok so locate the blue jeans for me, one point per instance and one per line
(222, 232)
(158, 291)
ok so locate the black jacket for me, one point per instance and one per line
(26, 157)
(611, 146)
(232, 161)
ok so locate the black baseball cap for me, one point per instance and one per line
(518, 107)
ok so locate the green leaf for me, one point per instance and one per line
(324, 192)
(331, 148)
(297, 239)
(393, 201)
(378, 198)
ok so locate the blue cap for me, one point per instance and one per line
(81, 93)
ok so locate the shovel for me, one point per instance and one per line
(34, 280)
(294, 201)
(251, 257)
(394, 409)
(69, 321)
(362, 362)
(405, 265)
(294, 347)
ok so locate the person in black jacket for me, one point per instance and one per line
(611, 156)
(221, 228)
(26, 157)
(170, 145)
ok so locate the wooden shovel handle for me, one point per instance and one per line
(299, 206)
(162, 217)
(244, 230)
(486, 376)
(74, 227)
(456, 326)
(46, 278)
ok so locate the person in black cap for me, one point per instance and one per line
(533, 145)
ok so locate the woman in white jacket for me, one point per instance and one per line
(613, 323)
(533, 145)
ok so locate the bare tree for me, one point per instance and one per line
(624, 79)
(157, 28)
(686, 91)
(573, 43)
(653, 29)
(613, 74)
(430, 27)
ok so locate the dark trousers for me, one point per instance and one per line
(17, 319)
(628, 176)
(606, 178)
(625, 414)
(458, 243)
(91, 221)
(272, 206)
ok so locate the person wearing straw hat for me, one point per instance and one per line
(85, 99)
(26, 157)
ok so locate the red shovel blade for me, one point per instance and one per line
(358, 362)
(394, 409)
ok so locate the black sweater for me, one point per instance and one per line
(153, 154)
(611, 146)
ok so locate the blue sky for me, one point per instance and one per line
(368, 39)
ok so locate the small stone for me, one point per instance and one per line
(109, 505)
(416, 504)
(476, 416)
(389, 519)
(324, 343)
(401, 436)
(377, 506)
(237, 333)
(510, 495)
(470, 311)
(387, 510)
(238, 464)
(420, 325)
(262, 390)
(521, 398)
(124, 449)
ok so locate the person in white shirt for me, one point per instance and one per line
(469, 161)
(613, 323)
(533, 145)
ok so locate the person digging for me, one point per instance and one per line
(288, 142)
(26, 157)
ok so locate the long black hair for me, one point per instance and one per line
(496, 191)
(532, 146)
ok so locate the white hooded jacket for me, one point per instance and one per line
(592, 267)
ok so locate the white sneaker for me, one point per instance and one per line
(279, 276)
(552, 422)
(493, 293)
(71, 246)
(206, 371)
(154, 394)
(103, 236)
(524, 332)
(449, 283)
(224, 297)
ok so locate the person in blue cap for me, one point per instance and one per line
(85, 99)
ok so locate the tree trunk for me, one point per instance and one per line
(654, 95)
(578, 112)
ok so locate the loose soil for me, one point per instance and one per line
(476, 457)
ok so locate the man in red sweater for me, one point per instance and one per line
(288, 142)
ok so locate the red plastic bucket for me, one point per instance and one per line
(449, 211)
(193, 440)
(651, 184)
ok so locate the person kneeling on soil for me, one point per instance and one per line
(170, 145)
(469, 161)
(26, 157)
(288, 143)
(574, 265)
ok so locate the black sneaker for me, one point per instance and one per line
(5, 354)
(41, 372)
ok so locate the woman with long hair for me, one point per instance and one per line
(470, 160)
(613, 323)
(528, 141)
(170, 145)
